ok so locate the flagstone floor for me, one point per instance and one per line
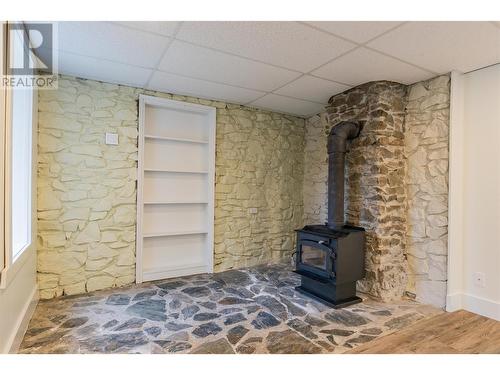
(255, 310)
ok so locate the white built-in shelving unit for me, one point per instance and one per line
(175, 194)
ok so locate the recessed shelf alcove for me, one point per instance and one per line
(175, 195)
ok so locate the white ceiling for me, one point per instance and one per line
(289, 67)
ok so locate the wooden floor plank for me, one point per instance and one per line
(481, 338)
(457, 332)
(427, 346)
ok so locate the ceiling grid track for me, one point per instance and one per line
(283, 84)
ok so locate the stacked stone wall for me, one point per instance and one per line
(375, 172)
(396, 182)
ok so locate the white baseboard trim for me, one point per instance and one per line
(454, 302)
(23, 321)
(478, 305)
(482, 306)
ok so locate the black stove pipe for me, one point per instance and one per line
(337, 147)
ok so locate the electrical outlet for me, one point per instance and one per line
(480, 279)
(252, 210)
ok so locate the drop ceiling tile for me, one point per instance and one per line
(172, 83)
(357, 31)
(288, 105)
(312, 88)
(102, 70)
(287, 44)
(363, 65)
(198, 62)
(166, 28)
(109, 41)
(443, 46)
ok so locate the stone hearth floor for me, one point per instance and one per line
(255, 310)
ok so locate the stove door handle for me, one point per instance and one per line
(325, 243)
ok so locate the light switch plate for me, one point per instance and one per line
(111, 138)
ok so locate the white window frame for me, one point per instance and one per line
(3, 58)
(12, 266)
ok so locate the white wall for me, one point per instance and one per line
(17, 302)
(18, 287)
(455, 196)
(475, 193)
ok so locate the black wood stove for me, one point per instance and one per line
(330, 258)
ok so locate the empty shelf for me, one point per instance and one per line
(189, 140)
(176, 202)
(179, 233)
(172, 170)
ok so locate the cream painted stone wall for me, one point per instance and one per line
(426, 149)
(316, 170)
(259, 164)
(87, 190)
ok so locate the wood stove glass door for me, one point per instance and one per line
(315, 257)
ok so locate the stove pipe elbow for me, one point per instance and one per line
(337, 147)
